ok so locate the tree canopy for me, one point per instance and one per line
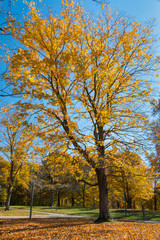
(86, 79)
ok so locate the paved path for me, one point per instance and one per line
(61, 215)
(57, 215)
(45, 215)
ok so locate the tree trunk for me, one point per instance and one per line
(32, 196)
(143, 211)
(155, 202)
(10, 187)
(72, 201)
(40, 198)
(52, 198)
(155, 197)
(9, 193)
(94, 204)
(58, 203)
(125, 205)
(103, 196)
(84, 195)
(52, 193)
(57, 200)
(134, 205)
(129, 202)
(128, 198)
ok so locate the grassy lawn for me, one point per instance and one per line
(64, 210)
(115, 213)
(79, 229)
(16, 212)
(135, 215)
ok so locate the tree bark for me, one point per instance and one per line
(128, 198)
(155, 201)
(125, 205)
(84, 195)
(10, 186)
(32, 196)
(9, 193)
(155, 197)
(94, 204)
(72, 201)
(129, 202)
(52, 198)
(143, 211)
(103, 196)
(134, 205)
(52, 192)
(57, 200)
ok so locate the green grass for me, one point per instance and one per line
(135, 215)
(17, 212)
(65, 210)
(114, 213)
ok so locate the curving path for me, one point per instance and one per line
(44, 215)
(61, 215)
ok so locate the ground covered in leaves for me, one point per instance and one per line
(76, 229)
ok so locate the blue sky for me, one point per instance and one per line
(141, 9)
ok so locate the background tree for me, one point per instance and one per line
(129, 178)
(88, 77)
(156, 128)
(14, 146)
(57, 177)
(3, 180)
(154, 157)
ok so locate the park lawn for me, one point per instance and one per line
(114, 213)
(135, 215)
(78, 229)
(17, 212)
(64, 210)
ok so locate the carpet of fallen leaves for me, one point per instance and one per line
(76, 229)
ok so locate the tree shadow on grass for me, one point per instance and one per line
(135, 215)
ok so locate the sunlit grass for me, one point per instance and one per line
(17, 212)
(114, 213)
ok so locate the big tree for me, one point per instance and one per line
(86, 79)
